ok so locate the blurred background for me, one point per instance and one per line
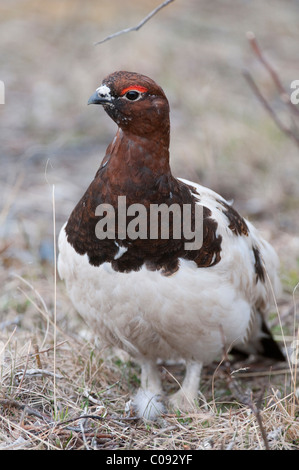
(51, 143)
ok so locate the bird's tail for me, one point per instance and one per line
(260, 343)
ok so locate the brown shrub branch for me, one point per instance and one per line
(135, 28)
(291, 132)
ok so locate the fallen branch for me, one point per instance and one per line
(6, 402)
(47, 420)
(136, 28)
(38, 373)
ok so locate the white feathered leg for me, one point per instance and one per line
(150, 377)
(148, 400)
(185, 398)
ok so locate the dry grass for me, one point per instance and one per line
(52, 370)
(45, 397)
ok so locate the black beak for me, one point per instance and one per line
(96, 99)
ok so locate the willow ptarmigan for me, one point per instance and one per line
(152, 278)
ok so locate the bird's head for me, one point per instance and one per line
(135, 102)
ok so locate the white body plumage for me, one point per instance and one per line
(187, 315)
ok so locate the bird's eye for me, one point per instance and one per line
(132, 95)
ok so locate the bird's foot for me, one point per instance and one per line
(183, 401)
(148, 405)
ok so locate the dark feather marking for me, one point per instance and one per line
(258, 265)
(264, 346)
(269, 346)
(236, 223)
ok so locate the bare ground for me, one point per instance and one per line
(52, 369)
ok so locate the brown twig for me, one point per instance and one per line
(289, 132)
(98, 418)
(244, 398)
(136, 28)
(258, 53)
(6, 402)
(285, 98)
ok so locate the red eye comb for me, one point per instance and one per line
(142, 89)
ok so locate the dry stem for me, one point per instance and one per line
(135, 28)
